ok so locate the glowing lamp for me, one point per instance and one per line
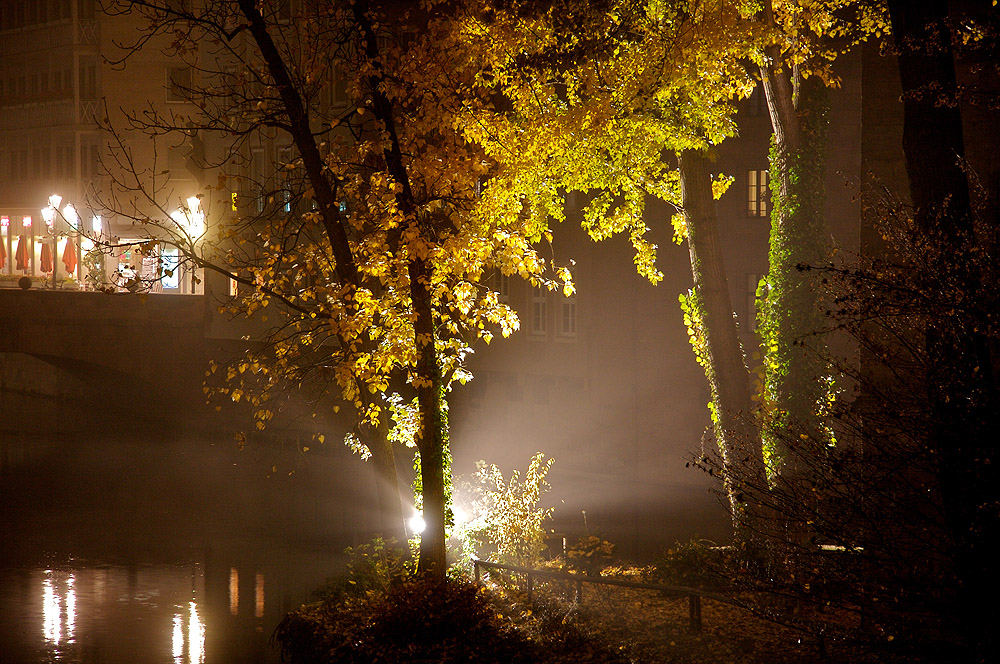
(54, 201)
(70, 213)
(96, 224)
(49, 215)
(26, 222)
(191, 218)
(416, 523)
(4, 221)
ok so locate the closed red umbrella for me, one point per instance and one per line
(46, 258)
(69, 256)
(3, 254)
(21, 255)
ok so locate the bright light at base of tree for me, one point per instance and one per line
(416, 524)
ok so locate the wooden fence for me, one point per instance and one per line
(694, 595)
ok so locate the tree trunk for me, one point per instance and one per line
(735, 421)
(960, 380)
(795, 351)
(431, 436)
(387, 488)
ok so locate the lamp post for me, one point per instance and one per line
(49, 214)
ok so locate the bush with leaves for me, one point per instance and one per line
(698, 564)
(375, 566)
(427, 620)
(506, 524)
(590, 555)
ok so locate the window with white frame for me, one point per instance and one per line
(539, 312)
(170, 268)
(758, 193)
(567, 316)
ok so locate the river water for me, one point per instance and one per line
(139, 546)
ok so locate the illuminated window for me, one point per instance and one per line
(757, 194)
(170, 267)
(539, 298)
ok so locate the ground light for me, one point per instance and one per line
(416, 523)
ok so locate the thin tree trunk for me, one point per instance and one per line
(432, 436)
(736, 427)
(387, 488)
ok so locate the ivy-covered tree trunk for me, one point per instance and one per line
(961, 382)
(431, 436)
(792, 321)
(733, 414)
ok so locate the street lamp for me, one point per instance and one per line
(49, 217)
(49, 214)
(71, 216)
(191, 219)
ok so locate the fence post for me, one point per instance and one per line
(475, 566)
(531, 579)
(694, 609)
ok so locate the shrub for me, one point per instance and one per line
(589, 555)
(507, 524)
(425, 620)
(698, 564)
(376, 565)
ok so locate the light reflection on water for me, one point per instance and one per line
(80, 614)
(136, 614)
(160, 552)
(194, 646)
